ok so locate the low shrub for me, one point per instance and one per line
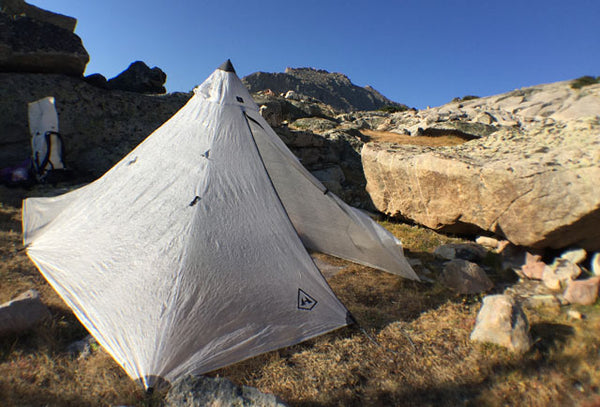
(393, 108)
(465, 98)
(584, 81)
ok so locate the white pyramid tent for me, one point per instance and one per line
(190, 253)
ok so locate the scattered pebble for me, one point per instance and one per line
(596, 264)
(575, 256)
(486, 241)
(574, 314)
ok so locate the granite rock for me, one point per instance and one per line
(502, 321)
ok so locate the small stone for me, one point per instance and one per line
(290, 94)
(502, 321)
(486, 241)
(502, 245)
(533, 268)
(575, 256)
(574, 314)
(550, 280)
(82, 348)
(596, 264)
(560, 273)
(465, 277)
(582, 292)
(485, 118)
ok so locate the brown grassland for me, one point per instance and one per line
(412, 347)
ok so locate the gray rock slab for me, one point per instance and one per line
(22, 313)
(203, 391)
(520, 184)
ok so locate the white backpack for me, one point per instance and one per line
(46, 143)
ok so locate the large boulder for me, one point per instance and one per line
(140, 78)
(20, 8)
(538, 188)
(31, 45)
(22, 313)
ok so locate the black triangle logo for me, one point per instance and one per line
(305, 301)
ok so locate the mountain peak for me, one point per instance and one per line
(334, 89)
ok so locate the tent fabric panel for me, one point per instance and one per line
(116, 248)
(249, 239)
(324, 222)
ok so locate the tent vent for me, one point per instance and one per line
(239, 99)
(195, 201)
(305, 301)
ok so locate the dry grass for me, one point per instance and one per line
(390, 137)
(412, 347)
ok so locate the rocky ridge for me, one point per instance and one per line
(334, 89)
(523, 109)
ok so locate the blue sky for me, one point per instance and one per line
(415, 52)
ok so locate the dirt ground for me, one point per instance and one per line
(391, 137)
